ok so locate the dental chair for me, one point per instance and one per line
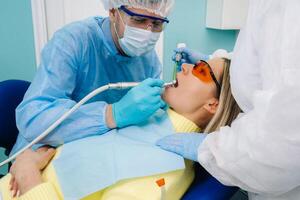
(11, 95)
(204, 187)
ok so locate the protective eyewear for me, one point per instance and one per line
(204, 72)
(144, 21)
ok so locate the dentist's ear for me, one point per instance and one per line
(113, 15)
(211, 106)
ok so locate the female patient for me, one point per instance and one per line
(202, 102)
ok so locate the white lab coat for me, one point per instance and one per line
(260, 153)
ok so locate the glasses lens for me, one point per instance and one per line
(143, 22)
(146, 24)
(158, 26)
(202, 71)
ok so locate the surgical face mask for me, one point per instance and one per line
(136, 41)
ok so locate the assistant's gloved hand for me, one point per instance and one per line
(189, 56)
(184, 144)
(139, 103)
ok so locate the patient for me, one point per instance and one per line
(202, 102)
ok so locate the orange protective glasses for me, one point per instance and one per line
(203, 71)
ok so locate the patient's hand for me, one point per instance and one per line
(26, 170)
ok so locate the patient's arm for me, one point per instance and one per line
(26, 170)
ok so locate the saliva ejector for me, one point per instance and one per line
(178, 57)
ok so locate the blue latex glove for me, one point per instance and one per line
(184, 144)
(139, 103)
(189, 56)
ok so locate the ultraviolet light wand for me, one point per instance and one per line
(111, 86)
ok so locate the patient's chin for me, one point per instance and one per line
(166, 96)
(170, 96)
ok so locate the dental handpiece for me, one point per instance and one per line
(127, 85)
(171, 84)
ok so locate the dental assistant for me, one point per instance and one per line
(88, 54)
(260, 152)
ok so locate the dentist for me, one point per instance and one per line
(89, 54)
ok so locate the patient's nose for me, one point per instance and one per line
(185, 68)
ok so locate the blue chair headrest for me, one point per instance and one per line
(11, 95)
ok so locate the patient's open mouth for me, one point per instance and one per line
(176, 84)
(171, 84)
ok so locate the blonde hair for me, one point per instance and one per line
(228, 109)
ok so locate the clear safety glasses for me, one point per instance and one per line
(155, 24)
(204, 72)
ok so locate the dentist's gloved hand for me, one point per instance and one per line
(139, 103)
(189, 56)
(184, 144)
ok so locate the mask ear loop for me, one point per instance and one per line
(121, 17)
(115, 24)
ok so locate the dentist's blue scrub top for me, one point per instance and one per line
(80, 58)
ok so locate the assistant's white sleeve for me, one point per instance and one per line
(260, 152)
